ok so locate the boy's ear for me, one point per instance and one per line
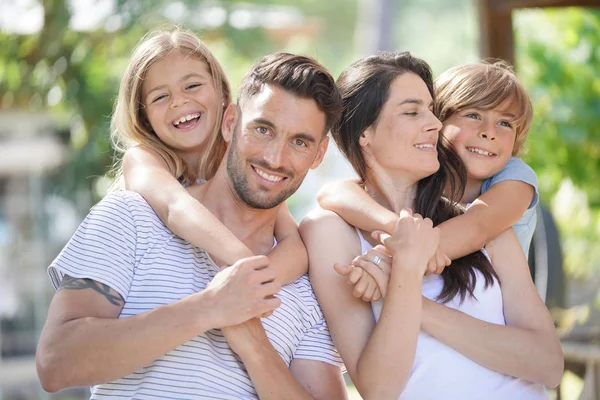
(230, 121)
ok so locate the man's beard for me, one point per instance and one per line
(235, 170)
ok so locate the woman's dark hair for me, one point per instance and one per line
(364, 86)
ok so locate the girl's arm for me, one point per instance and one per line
(493, 212)
(289, 257)
(147, 173)
(527, 347)
(378, 357)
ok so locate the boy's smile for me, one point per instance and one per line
(484, 139)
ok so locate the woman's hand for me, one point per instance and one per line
(414, 241)
(369, 273)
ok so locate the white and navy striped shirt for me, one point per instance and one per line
(123, 244)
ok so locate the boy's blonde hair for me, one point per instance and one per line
(484, 86)
(129, 123)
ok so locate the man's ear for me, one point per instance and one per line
(321, 152)
(230, 121)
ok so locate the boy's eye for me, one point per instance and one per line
(411, 113)
(472, 115)
(193, 85)
(506, 124)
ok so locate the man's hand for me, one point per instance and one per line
(243, 291)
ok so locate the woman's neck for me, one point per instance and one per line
(392, 192)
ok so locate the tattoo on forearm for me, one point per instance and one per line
(69, 282)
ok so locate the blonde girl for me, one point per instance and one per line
(166, 125)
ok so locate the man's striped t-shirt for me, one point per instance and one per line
(123, 244)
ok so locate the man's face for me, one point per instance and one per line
(279, 138)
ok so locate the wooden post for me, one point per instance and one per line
(496, 39)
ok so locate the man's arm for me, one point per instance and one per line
(84, 343)
(270, 375)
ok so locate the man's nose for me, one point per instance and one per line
(275, 153)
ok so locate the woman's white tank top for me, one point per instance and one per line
(440, 372)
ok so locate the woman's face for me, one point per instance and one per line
(484, 139)
(180, 101)
(405, 136)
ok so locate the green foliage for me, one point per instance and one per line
(75, 75)
(559, 61)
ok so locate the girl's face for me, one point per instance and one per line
(180, 102)
(484, 139)
(405, 136)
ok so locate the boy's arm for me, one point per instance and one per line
(490, 214)
(289, 257)
(356, 207)
(146, 173)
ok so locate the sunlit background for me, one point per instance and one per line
(61, 61)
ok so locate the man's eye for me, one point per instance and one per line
(300, 142)
(262, 130)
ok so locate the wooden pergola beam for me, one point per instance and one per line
(496, 26)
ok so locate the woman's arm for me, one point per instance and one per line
(147, 173)
(491, 213)
(378, 357)
(528, 346)
(289, 257)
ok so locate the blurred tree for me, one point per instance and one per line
(75, 73)
(559, 61)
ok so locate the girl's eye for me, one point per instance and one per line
(506, 124)
(411, 113)
(193, 86)
(162, 96)
(472, 116)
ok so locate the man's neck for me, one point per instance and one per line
(254, 227)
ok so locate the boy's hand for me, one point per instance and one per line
(438, 263)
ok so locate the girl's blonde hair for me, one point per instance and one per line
(484, 86)
(129, 123)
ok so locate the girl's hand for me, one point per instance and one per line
(369, 273)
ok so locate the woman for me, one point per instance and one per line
(450, 336)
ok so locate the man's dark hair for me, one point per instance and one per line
(300, 75)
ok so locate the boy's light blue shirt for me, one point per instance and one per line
(517, 170)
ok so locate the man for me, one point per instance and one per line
(152, 315)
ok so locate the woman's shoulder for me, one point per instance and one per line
(326, 225)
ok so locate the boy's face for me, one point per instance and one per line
(484, 139)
